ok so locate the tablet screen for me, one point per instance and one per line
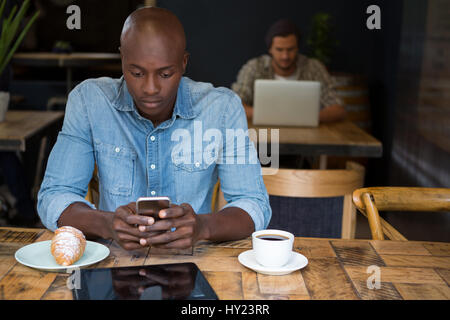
(181, 281)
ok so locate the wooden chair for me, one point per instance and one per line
(93, 193)
(370, 200)
(218, 200)
(295, 183)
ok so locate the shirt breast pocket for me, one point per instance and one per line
(116, 168)
(192, 179)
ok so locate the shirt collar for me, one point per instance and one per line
(183, 104)
(123, 101)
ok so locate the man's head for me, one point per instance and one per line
(282, 41)
(154, 58)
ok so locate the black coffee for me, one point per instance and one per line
(272, 237)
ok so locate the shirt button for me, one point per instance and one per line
(117, 149)
(153, 167)
(152, 138)
(197, 164)
(153, 193)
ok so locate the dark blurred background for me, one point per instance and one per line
(404, 68)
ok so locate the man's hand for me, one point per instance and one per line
(332, 113)
(123, 226)
(129, 229)
(189, 228)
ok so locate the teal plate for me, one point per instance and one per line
(38, 255)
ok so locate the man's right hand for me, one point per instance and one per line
(123, 226)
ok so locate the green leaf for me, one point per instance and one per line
(15, 24)
(320, 39)
(10, 27)
(2, 7)
(7, 32)
(18, 41)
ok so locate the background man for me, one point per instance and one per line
(284, 62)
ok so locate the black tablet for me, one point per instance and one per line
(180, 281)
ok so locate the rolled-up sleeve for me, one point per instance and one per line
(70, 164)
(240, 171)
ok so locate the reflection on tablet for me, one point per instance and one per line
(159, 282)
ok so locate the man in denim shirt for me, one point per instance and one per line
(154, 133)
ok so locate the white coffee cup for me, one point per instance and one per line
(270, 252)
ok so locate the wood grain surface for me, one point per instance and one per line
(22, 125)
(342, 138)
(337, 269)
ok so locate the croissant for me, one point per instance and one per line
(68, 245)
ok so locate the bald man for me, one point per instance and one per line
(154, 132)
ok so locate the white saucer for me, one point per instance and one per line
(296, 262)
(38, 255)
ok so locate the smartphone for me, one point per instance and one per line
(150, 206)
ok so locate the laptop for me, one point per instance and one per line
(286, 103)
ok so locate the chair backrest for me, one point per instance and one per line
(308, 183)
(370, 201)
(93, 190)
(299, 183)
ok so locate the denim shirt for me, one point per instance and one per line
(182, 158)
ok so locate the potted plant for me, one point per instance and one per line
(321, 40)
(10, 26)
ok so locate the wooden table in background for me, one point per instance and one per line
(74, 59)
(342, 138)
(24, 131)
(20, 127)
(65, 60)
(337, 269)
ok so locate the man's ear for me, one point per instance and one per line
(269, 51)
(185, 61)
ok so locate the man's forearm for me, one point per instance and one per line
(231, 223)
(93, 223)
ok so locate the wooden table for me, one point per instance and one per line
(21, 127)
(65, 60)
(331, 139)
(75, 59)
(24, 131)
(337, 269)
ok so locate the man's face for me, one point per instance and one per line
(284, 51)
(152, 69)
